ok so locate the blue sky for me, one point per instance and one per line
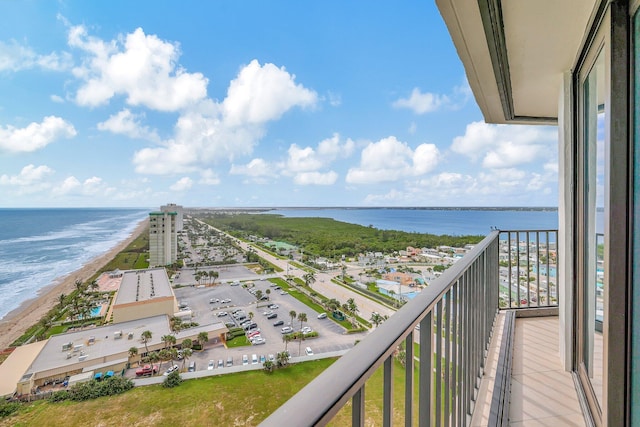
(251, 103)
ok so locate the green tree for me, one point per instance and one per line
(282, 358)
(203, 338)
(268, 366)
(376, 319)
(309, 279)
(133, 352)
(168, 340)
(302, 317)
(268, 292)
(165, 356)
(154, 357)
(293, 315)
(61, 299)
(186, 354)
(146, 337)
(258, 294)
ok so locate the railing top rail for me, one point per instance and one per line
(321, 399)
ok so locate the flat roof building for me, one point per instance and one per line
(93, 349)
(144, 293)
(179, 210)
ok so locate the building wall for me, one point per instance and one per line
(143, 309)
(179, 210)
(163, 238)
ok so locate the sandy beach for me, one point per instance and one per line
(14, 324)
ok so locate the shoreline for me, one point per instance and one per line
(17, 321)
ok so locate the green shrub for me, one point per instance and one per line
(8, 408)
(172, 380)
(94, 389)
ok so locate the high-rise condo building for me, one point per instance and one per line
(172, 207)
(163, 238)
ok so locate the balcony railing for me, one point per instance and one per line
(453, 318)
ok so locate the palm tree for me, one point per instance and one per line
(293, 315)
(94, 285)
(258, 294)
(309, 279)
(283, 358)
(286, 338)
(353, 308)
(154, 356)
(203, 338)
(376, 319)
(78, 284)
(165, 339)
(146, 337)
(61, 298)
(133, 352)
(164, 354)
(302, 317)
(186, 354)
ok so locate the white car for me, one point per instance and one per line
(171, 369)
(258, 340)
(306, 330)
(211, 365)
(322, 316)
(254, 359)
(286, 330)
(274, 306)
(308, 351)
(266, 313)
(222, 314)
(245, 359)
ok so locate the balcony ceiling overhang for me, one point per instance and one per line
(515, 52)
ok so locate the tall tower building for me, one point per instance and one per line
(172, 207)
(163, 238)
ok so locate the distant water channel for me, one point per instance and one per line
(451, 221)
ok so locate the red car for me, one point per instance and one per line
(146, 370)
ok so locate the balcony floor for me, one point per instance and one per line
(542, 393)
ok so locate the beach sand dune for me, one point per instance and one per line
(14, 324)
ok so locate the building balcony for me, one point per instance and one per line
(479, 346)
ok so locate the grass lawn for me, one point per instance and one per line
(243, 399)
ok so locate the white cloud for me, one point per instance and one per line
(316, 178)
(36, 135)
(90, 187)
(126, 123)
(29, 175)
(262, 93)
(57, 99)
(184, 183)
(412, 128)
(208, 131)
(141, 67)
(506, 146)
(421, 103)
(15, 57)
(302, 159)
(208, 177)
(390, 160)
(255, 168)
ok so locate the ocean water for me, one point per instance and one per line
(451, 221)
(38, 246)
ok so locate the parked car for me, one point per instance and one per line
(272, 358)
(258, 340)
(266, 313)
(146, 370)
(272, 315)
(322, 316)
(254, 359)
(220, 363)
(264, 298)
(245, 359)
(225, 301)
(211, 365)
(283, 292)
(278, 323)
(308, 351)
(229, 361)
(192, 366)
(286, 330)
(250, 326)
(222, 314)
(306, 330)
(253, 333)
(262, 358)
(235, 284)
(214, 300)
(274, 306)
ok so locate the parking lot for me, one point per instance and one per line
(331, 335)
